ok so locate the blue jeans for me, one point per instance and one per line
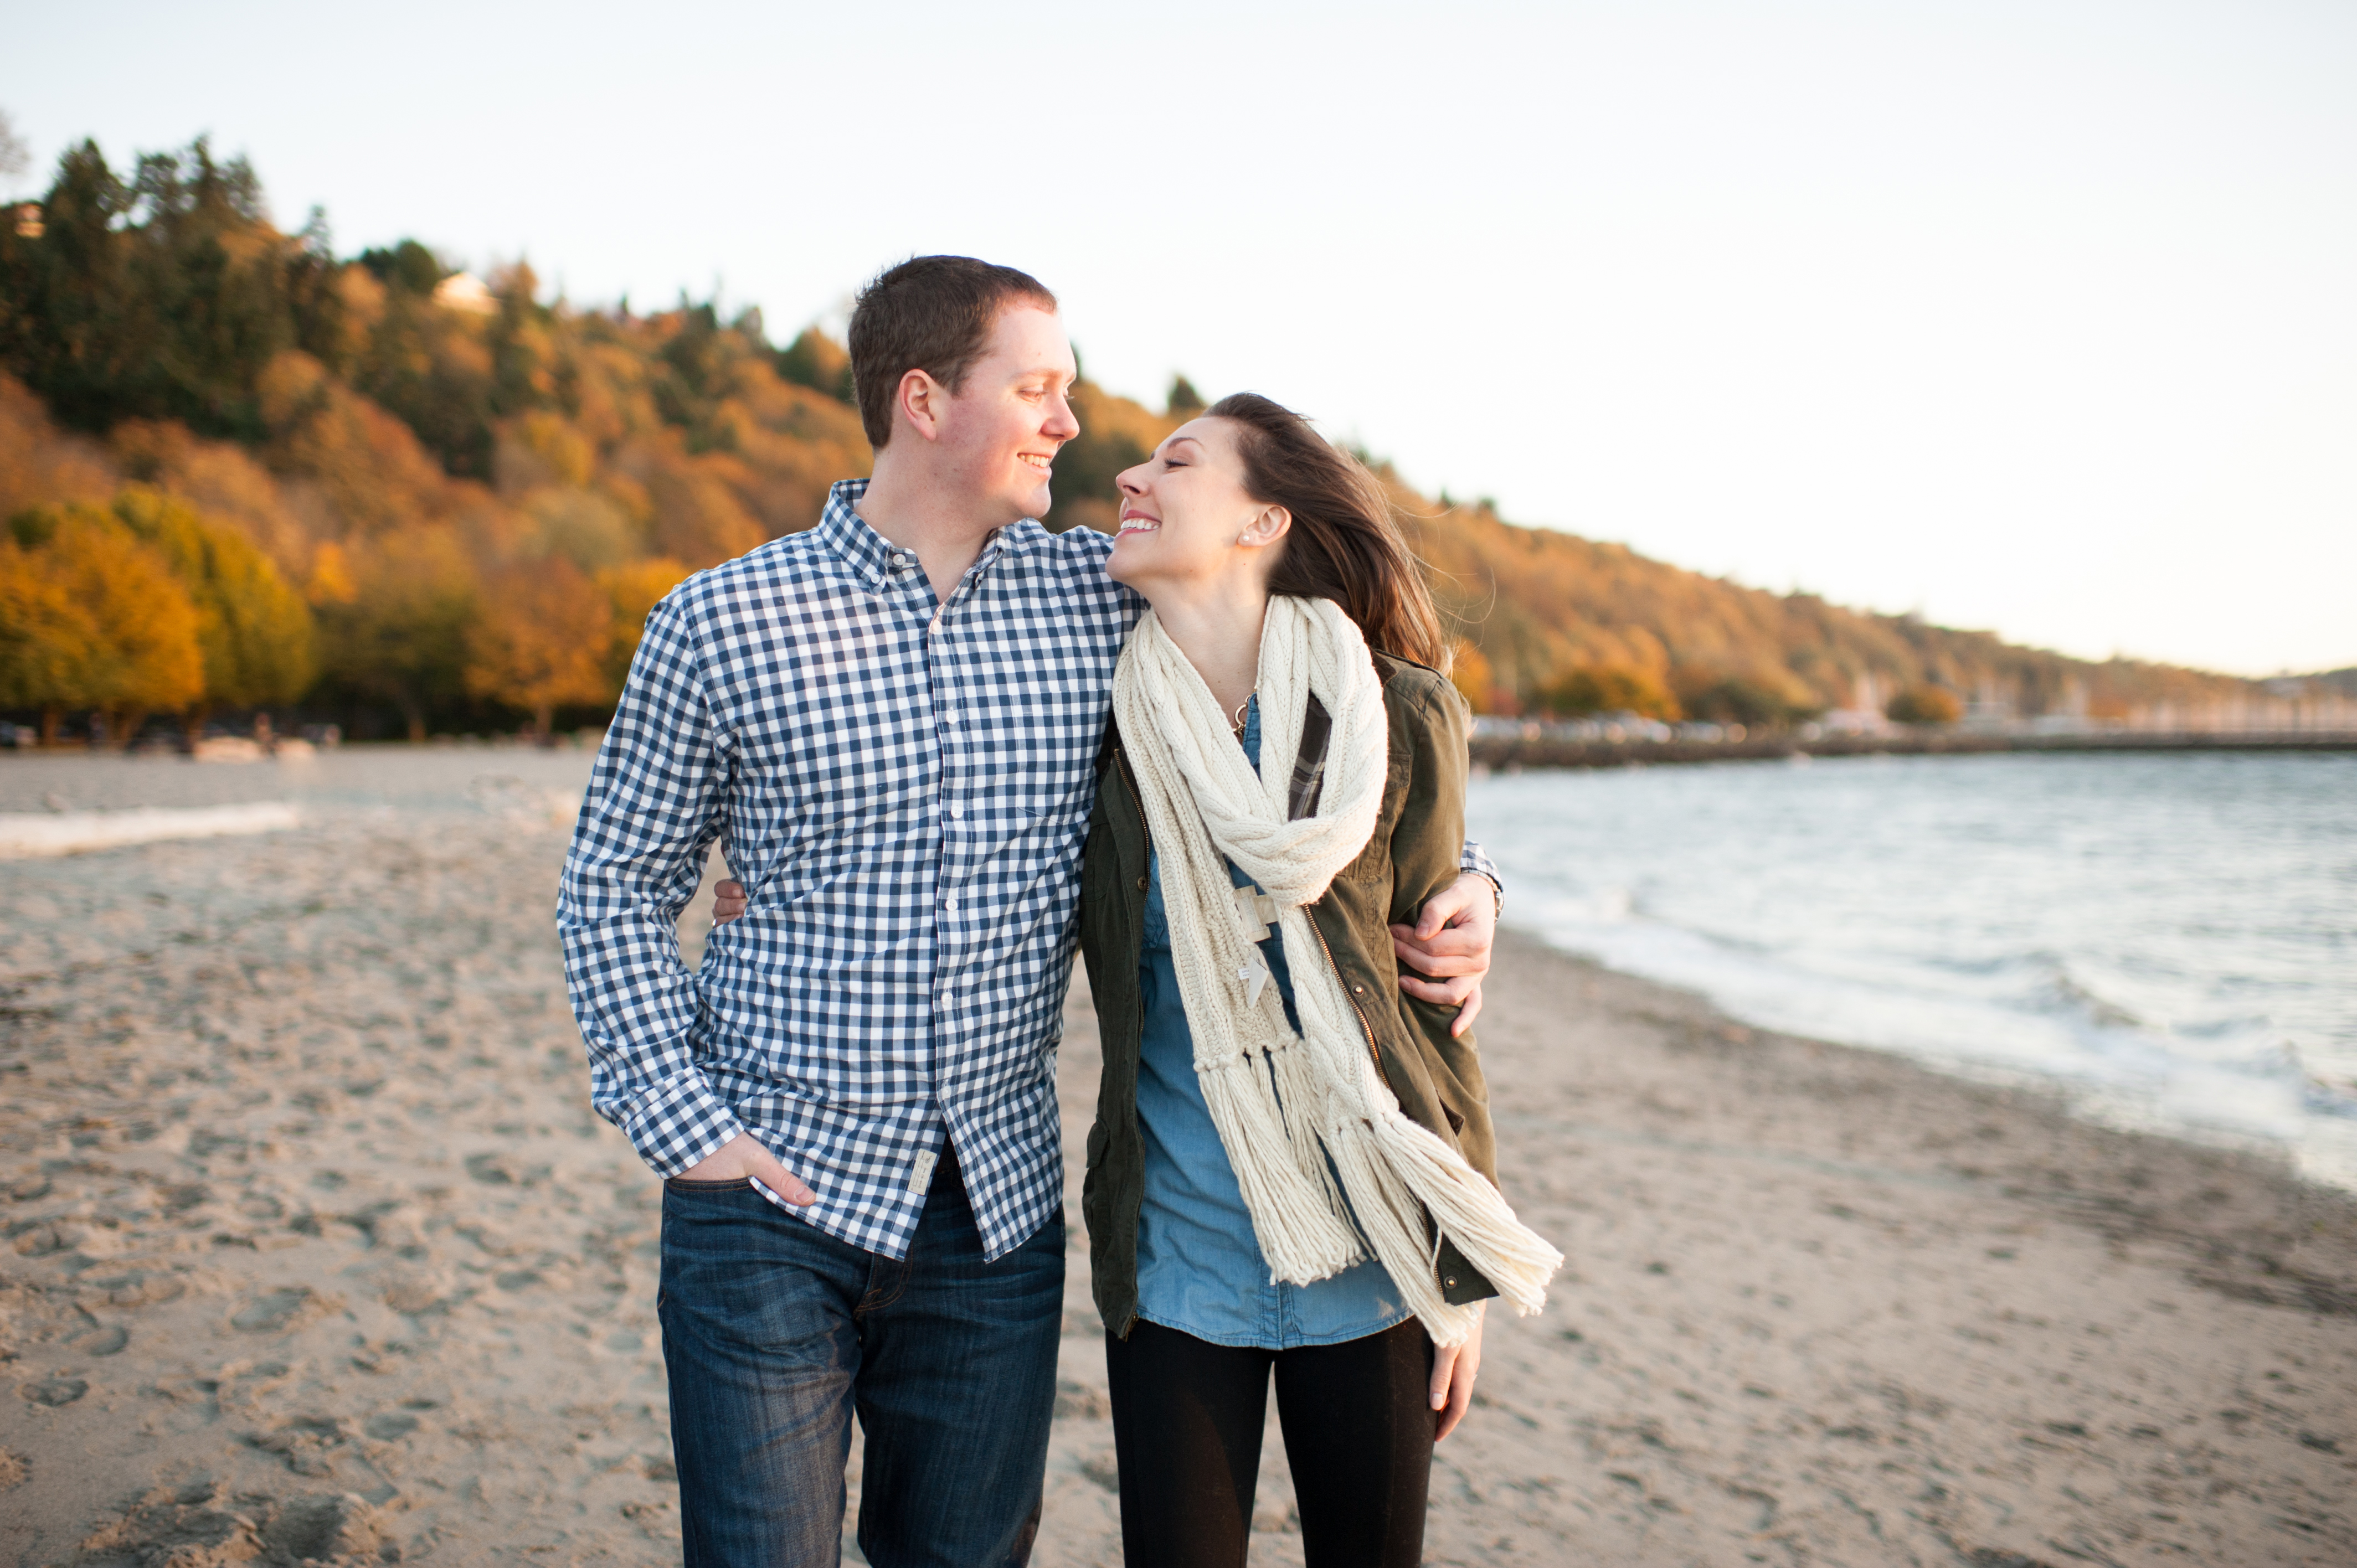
(774, 1331)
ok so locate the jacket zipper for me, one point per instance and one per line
(1365, 1028)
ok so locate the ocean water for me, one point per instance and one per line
(2169, 940)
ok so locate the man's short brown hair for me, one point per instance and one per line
(933, 314)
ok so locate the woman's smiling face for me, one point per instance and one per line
(1185, 513)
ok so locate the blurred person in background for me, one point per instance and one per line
(895, 718)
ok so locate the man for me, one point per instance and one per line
(894, 717)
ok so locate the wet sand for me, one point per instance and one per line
(314, 1251)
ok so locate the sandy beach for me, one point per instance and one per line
(315, 1252)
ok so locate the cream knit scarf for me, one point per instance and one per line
(1307, 1120)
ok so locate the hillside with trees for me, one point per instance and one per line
(241, 473)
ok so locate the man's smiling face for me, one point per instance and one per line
(1001, 430)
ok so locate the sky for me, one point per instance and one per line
(2038, 318)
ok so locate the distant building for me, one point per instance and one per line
(1869, 695)
(465, 292)
(29, 220)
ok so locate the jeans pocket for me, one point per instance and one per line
(693, 1188)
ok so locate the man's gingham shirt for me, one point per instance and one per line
(905, 789)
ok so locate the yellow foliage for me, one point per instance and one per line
(129, 644)
(1925, 706)
(1609, 689)
(585, 527)
(402, 634)
(253, 629)
(222, 481)
(1470, 674)
(633, 590)
(542, 449)
(331, 576)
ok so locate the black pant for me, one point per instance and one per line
(1187, 1419)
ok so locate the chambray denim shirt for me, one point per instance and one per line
(1198, 1269)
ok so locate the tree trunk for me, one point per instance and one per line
(197, 714)
(541, 717)
(51, 719)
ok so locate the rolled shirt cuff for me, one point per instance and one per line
(678, 1125)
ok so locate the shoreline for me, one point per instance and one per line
(1513, 753)
(315, 1248)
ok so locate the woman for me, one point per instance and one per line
(1292, 1166)
(1292, 1169)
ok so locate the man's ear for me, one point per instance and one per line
(919, 400)
(1270, 525)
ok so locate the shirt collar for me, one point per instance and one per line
(872, 557)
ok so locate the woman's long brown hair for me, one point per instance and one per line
(1343, 545)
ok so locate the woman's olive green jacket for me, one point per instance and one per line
(1414, 854)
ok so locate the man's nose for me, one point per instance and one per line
(1063, 422)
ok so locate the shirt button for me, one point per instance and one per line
(957, 810)
(1141, 884)
(949, 903)
(1359, 990)
(1450, 1282)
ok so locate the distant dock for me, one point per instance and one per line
(1506, 746)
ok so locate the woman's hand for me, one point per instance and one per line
(727, 901)
(1444, 954)
(1453, 1371)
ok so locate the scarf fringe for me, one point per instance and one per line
(1300, 1232)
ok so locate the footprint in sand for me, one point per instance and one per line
(270, 1313)
(55, 1392)
(103, 1341)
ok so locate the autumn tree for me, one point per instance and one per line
(632, 593)
(1609, 689)
(48, 636)
(817, 362)
(541, 640)
(254, 631)
(1924, 705)
(1469, 671)
(92, 618)
(396, 614)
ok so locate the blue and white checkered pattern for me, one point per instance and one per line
(905, 798)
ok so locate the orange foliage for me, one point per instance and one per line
(541, 639)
